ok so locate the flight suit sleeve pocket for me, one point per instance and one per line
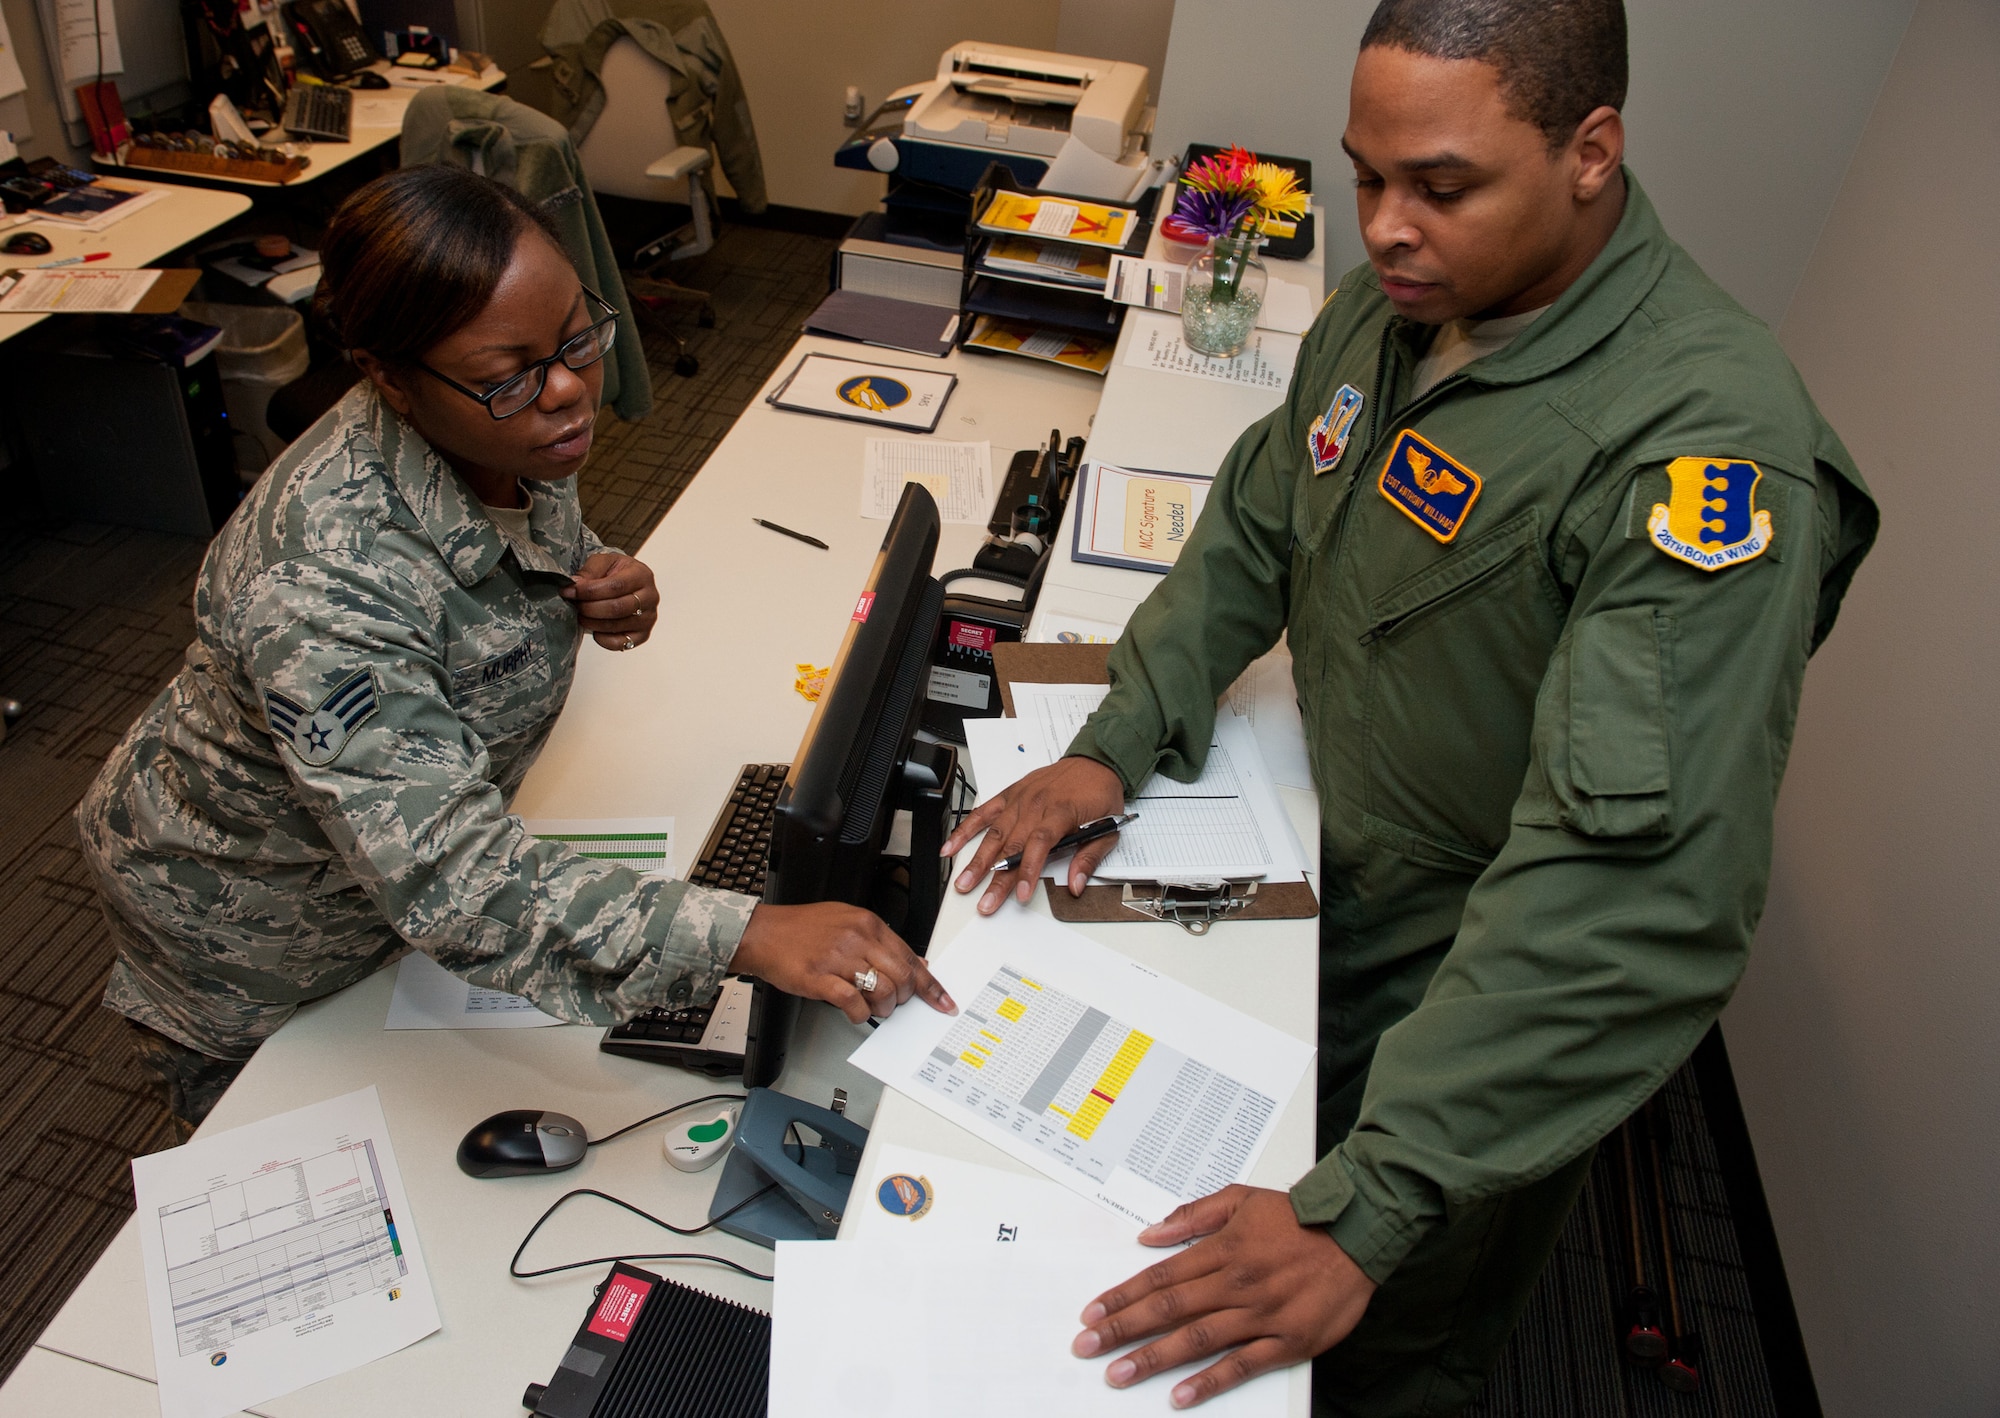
(1620, 774)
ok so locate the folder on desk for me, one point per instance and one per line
(1022, 663)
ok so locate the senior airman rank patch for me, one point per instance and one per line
(1711, 519)
(317, 735)
(1330, 431)
(1428, 485)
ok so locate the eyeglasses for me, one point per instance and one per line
(579, 352)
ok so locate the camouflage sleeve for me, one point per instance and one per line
(348, 673)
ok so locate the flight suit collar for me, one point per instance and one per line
(446, 510)
(1597, 302)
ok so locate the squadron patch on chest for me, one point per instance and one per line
(1428, 485)
(318, 734)
(1710, 518)
(1330, 431)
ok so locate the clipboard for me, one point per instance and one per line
(1193, 908)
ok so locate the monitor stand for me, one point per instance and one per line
(910, 890)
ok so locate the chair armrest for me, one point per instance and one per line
(681, 162)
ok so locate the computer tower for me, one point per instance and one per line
(112, 434)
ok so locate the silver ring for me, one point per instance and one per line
(630, 643)
(866, 981)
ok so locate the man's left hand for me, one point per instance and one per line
(615, 600)
(1265, 1288)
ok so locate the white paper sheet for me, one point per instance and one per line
(958, 476)
(1157, 284)
(1130, 1089)
(860, 389)
(378, 112)
(76, 290)
(982, 1331)
(428, 996)
(1266, 362)
(1228, 823)
(1266, 695)
(913, 1194)
(1076, 630)
(277, 1255)
(1288, 307)
(12, 80)
(84, 32)
(645, 844)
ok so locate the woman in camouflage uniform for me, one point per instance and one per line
(387, 629)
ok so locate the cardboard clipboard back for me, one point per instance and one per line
(1017, 662)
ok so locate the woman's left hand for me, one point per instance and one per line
(615, 600)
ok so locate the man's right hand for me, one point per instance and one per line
(1029, 818)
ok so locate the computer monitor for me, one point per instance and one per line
(860, 763)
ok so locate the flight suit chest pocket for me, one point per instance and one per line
(503, 688)
(1456, 656)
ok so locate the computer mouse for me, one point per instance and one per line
(26, 243)
(369, 79)
(521, 1143)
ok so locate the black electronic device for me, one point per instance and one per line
(27, 243)
(828, 828)
(525, 1142)
(327, 37)
(651, 1348)
(860, 763)
(319, 111)
(961, 683)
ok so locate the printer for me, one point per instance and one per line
(1061, 121)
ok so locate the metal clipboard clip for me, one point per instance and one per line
(1194, 906)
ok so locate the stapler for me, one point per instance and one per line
(812, 1182)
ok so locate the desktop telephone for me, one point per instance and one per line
(328, 39)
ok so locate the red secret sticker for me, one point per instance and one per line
(619, 1309)
(864, 605)
(973, 637)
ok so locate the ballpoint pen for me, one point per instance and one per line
(795, 536)
(1089, 832)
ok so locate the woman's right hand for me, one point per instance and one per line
(815, 952)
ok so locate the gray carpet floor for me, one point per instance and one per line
(93, 620)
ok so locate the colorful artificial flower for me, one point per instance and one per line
(1278, 191)
(1232, 192)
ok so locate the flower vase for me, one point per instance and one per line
(1223, 296)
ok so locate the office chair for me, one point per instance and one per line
(622, 155)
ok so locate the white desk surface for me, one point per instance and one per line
(185, 214)
(1169, 422)
(659, 731)
(326, 157)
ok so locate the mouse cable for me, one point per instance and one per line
(655, 1117)
(513, 1266)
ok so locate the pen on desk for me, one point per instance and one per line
(74, 260)
(795, 536)
(1089, 832)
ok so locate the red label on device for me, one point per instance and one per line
(618, 1311)
(864, 605)
(973, 637)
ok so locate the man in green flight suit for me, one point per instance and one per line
(1553, 527)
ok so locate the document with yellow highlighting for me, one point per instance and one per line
(1129, 1088)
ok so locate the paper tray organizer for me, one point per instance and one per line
(1193, 906)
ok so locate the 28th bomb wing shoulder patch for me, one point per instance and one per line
(1710, 518)
(318, 733)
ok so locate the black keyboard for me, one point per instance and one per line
(739, 844)
(718, 1039)
(319, 111)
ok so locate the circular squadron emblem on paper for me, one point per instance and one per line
(219, 1358)
(904, 1195)
(874, 392)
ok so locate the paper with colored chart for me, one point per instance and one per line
(278, 1254)
(1133, 518)
(1129, 1088)
(857, 389)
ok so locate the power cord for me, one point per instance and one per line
(514, 1264)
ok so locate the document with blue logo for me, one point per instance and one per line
(873, 393)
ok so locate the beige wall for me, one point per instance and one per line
(1864, 1036)
(1741, 117)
